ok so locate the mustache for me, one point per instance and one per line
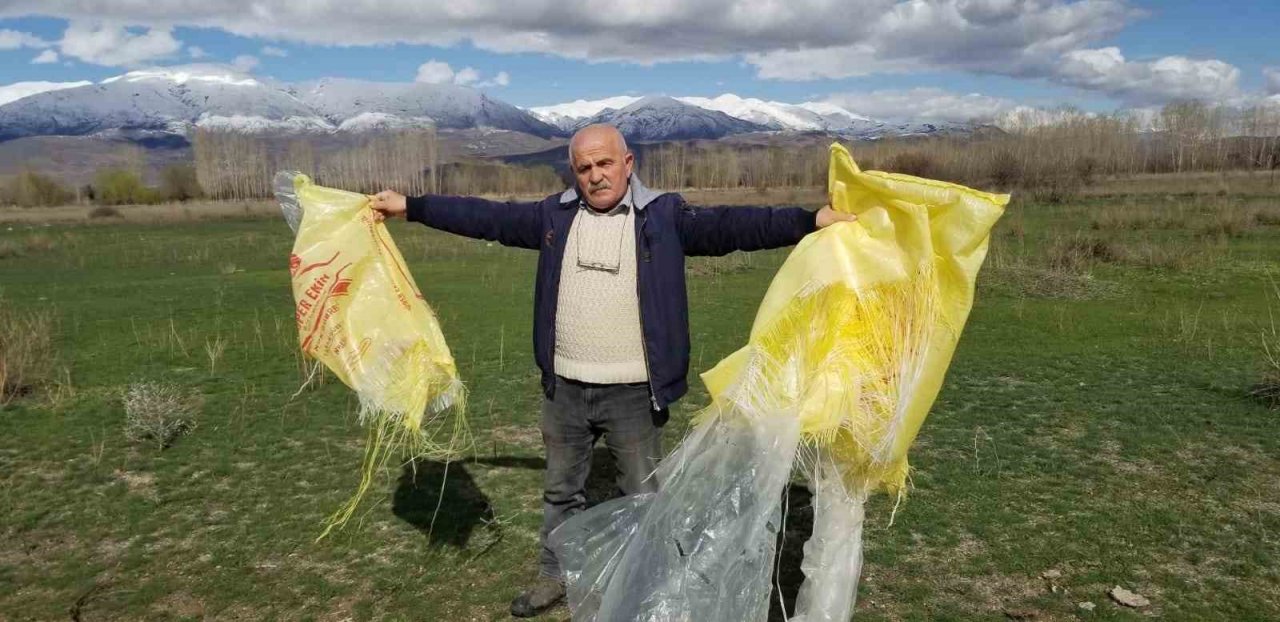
(603, 185)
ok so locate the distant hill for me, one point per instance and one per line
(142, 105)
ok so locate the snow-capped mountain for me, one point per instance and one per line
(18, 90)
(838, 117)
(164, 105)
(806, 117)
(174, 100)
(759, 115)
(159, 100)
(664, 118)
(450, 107)
(569, 115)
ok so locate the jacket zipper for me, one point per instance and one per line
(644, 345)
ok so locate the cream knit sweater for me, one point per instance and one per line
(598, 335)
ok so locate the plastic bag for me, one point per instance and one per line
(849, 349)
(359, 313)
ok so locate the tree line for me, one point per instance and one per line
(1051, 160)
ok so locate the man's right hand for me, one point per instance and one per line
(388, 204)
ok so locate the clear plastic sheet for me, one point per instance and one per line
(702, 548)
(833, 554)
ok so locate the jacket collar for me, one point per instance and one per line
(641, 196)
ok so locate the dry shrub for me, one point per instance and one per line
(1056, 189)
(1030, 277)
(10, 249)
(26, 352)
(1267, 216)
(1169, 255)
(38, 243)
(1229, 221)
(915, 163)
(159, 413)
(178, 182)
(1077, 253)
(1137, 218)
(105, 211)
(1037, 282)
(1005, 170)
(1268, 389)
(1086, 168)
(1012, 227)
(31, 189)
(1047, 180)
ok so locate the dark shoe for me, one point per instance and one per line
(536, 600)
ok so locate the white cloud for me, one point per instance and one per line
(499, 79)
(1170, 78)
(1272, 75)
(923, 104)
(439, 72)
(1054, 40)
(1008, 37)
(434, 72)
(271, 50)
(45, 57)
(14, 39)
(196, 52)
(18, 90)
(466, 76)
(880, 33)
(245, 63)
(115, 45)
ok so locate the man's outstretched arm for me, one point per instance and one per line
(722, 230)
(510, 224)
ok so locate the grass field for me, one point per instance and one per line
(1095, 430)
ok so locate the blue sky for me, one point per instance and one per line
(1219, 50)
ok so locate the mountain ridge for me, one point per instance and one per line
(167, 104)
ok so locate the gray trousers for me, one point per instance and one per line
(572, 422)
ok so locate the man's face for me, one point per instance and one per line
(602, 167)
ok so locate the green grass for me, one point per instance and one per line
(1096, 422)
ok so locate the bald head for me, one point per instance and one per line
(599, 133)
(601, 163)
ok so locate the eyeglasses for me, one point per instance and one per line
(603, 262)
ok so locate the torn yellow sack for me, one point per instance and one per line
(858, 327)
(359, 313)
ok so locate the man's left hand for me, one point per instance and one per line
(827, 216)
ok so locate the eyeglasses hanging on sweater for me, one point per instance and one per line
(603, 232)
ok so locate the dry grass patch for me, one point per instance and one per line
(141, 484)
(1267, 389)
(1037, 282)
(518, 435)
(26, 352)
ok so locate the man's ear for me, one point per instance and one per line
(629, 159)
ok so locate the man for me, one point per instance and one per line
(611, 330)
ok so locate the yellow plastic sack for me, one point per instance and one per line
(858, 327)
(359, 313)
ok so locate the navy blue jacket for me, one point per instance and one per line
(667, 230)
